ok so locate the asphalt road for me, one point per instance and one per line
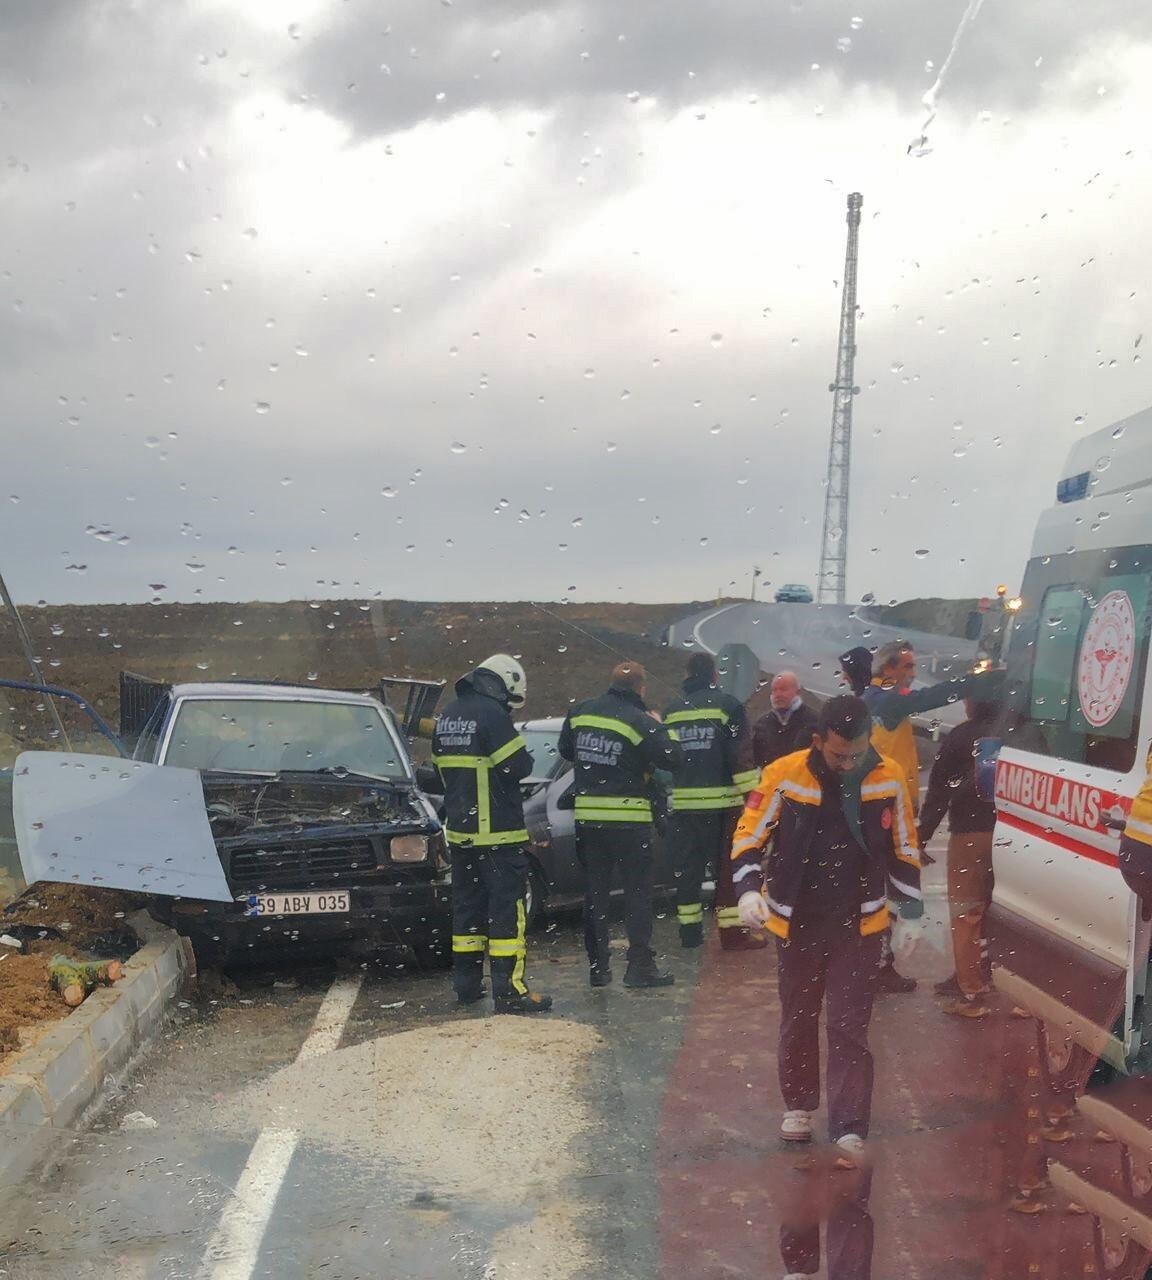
(349, 1122)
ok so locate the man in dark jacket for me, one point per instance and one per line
(836, 828)
(481, 760)
(714, 776)
(856, 668)
(788, 727)
(616, 744)
(953, 789)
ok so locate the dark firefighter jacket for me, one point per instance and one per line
(782, 820)
(481, 760)
(716, 769)
(615, 746)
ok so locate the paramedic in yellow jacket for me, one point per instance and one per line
(1136, 846)
(892, 702)
(834, 828)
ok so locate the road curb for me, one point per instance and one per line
(48, 1086)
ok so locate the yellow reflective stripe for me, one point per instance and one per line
(613, 809)
(613, 802)
(728, 917)
(699, 793)
(690, 915)
(498, 947)
(490, 838)
(718, 802)
(460, 762)
(746, 780)
(698, 713)
(465, 942)
(508, 749)
(634, 736)
(483, 803)
(518, 967)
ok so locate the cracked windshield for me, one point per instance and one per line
(575, 595)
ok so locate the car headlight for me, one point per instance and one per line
(408, 849)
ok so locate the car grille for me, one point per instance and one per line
(303, 866)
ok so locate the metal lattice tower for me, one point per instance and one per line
(830, 584)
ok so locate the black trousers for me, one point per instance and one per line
(827, 959)
(600, 850)
(696, 839)
(488, 886)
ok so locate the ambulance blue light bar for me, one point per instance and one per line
(1073, 488)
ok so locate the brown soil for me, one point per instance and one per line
(82, 914)
(26, 997)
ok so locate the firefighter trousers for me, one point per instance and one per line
(600, 850)
(697, 839)
(488, 915)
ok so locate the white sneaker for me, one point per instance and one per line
(796, 1126)
(851, 1151)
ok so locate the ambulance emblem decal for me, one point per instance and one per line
(1106, 654)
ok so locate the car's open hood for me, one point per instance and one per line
(118, 824)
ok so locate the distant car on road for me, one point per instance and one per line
(794, 593)
(322, 831)
(556, 877)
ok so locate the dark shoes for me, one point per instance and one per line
(528, 1002)
(691, 935)
(740, 940)
(949, 987)
(892, 983)
(600, 977)
(470, 995)
(647, 976)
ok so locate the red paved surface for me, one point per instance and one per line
(957, 1131)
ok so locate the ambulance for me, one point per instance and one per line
(1067, 941)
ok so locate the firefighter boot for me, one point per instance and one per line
(691, 935)
(509, 991)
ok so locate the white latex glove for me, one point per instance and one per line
(907, 938)
(753, 908)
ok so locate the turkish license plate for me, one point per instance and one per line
(298, 904)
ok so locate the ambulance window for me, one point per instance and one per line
(1057, 638)
(1088, 659)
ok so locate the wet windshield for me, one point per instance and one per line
(575, 616)
(264, 736)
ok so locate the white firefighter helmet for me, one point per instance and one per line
(511, 673)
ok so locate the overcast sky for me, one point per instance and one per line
(458, 299)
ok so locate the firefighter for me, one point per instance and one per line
(481, 760)
(836, 823)
(616, 744)
(708, 794)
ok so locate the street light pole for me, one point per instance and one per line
(29, 657)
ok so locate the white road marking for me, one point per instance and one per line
(708, 618)
(235, 1246)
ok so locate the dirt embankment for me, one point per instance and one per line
(568, 649)
(50, 920)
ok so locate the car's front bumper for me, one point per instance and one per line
(379, 916)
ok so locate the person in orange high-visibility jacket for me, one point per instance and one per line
(1136, 846)
(834, 828)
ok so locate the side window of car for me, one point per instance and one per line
(148, 744)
